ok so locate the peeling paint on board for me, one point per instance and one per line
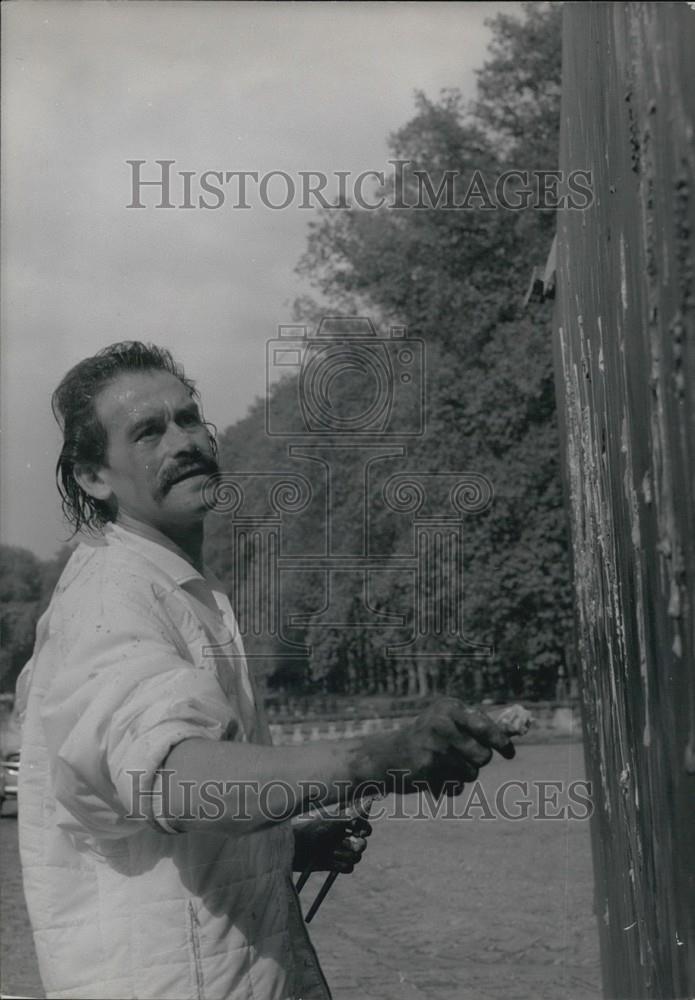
(625, 363)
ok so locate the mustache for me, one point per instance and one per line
(197, 464)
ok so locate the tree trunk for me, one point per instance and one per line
(625, 352)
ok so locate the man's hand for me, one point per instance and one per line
(331, 844)
(445, 746)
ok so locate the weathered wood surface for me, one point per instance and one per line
(625, 351)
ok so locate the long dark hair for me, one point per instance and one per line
(84, 437)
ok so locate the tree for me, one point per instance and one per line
(455, 278)
(20, 592)
(20, 575)
(519, 85)
(26, 585)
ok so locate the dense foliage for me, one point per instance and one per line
(26, 585)
(456, 279)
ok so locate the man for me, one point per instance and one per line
(139, 882)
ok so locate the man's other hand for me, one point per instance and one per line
(330, 844)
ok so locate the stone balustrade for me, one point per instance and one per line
(549, 723)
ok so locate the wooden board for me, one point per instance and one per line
(625, 358)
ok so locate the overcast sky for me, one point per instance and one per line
(87, 86)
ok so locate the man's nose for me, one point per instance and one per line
(178, 440)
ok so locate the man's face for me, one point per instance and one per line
(159, 452)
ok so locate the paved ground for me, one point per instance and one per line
(444, 909)
(18, 972)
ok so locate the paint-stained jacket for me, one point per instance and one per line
(133, 656)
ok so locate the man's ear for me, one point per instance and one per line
(92, 481)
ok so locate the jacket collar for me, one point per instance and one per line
(169, 562)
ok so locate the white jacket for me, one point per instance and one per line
(122, 672)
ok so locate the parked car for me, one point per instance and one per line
(9, 774)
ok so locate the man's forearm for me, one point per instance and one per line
(245, 786)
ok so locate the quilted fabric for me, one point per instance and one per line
(119, 907)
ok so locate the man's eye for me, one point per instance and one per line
(146, 432)
(189, 420)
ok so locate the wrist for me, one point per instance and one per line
(373, 759)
